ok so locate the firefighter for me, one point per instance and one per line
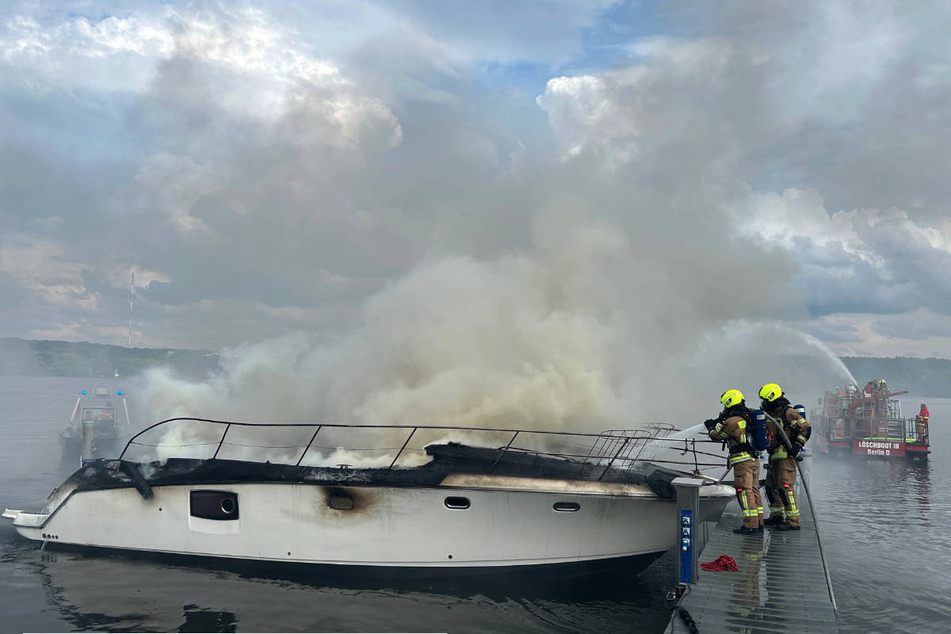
(731, 428)
(781, 480)
(921, 423)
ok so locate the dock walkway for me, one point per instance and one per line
(779, 587)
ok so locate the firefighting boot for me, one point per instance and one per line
(773, 520)
(743, 530)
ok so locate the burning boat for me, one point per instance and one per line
(869, 422)
(427, 498)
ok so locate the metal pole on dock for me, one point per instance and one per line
(688, 527)
(815, 518)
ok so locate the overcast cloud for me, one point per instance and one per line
(550, 211)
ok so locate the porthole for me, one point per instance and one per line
(457, 503)
(566, 507)
(341, 502)
(228, 505)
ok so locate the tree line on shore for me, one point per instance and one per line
(23, 357)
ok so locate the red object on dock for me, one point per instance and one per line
(721, 563)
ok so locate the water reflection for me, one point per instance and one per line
(746, 604)
(120, 592)
(919, 474)
(199, 619)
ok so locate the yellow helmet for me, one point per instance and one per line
(770, 392)
(731, 398)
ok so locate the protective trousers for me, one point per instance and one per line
(781, 490)
(747, 487)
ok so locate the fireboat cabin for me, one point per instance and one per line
(869, 422)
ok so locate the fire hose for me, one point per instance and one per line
(815, 518)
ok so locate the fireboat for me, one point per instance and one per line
(869, 422)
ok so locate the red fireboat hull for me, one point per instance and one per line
(880, 448)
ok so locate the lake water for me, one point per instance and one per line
(885, 526)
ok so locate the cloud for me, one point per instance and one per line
(38, 267)
(112, 54)
(634, 112)
(503, 32)
(917, 325)
(456, 247)
(832, 329)
(861, 260)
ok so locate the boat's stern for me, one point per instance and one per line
(29, 525)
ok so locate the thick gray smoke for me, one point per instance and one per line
(591, 328)
(604, 283)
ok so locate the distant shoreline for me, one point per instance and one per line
(25, 357)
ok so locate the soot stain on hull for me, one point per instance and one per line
(348, 503)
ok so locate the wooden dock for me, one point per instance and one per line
(779, 587)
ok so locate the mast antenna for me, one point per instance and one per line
(131, 299)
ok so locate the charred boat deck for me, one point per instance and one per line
(778, 587)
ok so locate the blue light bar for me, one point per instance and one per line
(84, 392)
(119, 393)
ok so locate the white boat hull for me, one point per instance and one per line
(404, 527)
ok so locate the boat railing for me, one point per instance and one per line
(606, 455)
(892, 429)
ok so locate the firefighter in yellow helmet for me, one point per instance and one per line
(731, 427)
(781, 480)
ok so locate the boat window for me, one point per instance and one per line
(457, 503)
(214, 505)
(341, 502)
(566, 507)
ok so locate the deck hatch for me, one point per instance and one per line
(214, 505)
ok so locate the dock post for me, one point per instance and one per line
(805, 467)
(688, 528)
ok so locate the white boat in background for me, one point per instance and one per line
(449, 500)
(96, 427)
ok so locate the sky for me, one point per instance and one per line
(573, 197)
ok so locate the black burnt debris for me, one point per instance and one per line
(447, 459)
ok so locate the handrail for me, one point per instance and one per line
(220, 442)
(613, 459)
(778, 427)
(405, 442)
(307, 448)
(623, 444)
(348, 426)
(502, 453)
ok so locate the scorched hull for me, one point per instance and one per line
(402, 527)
